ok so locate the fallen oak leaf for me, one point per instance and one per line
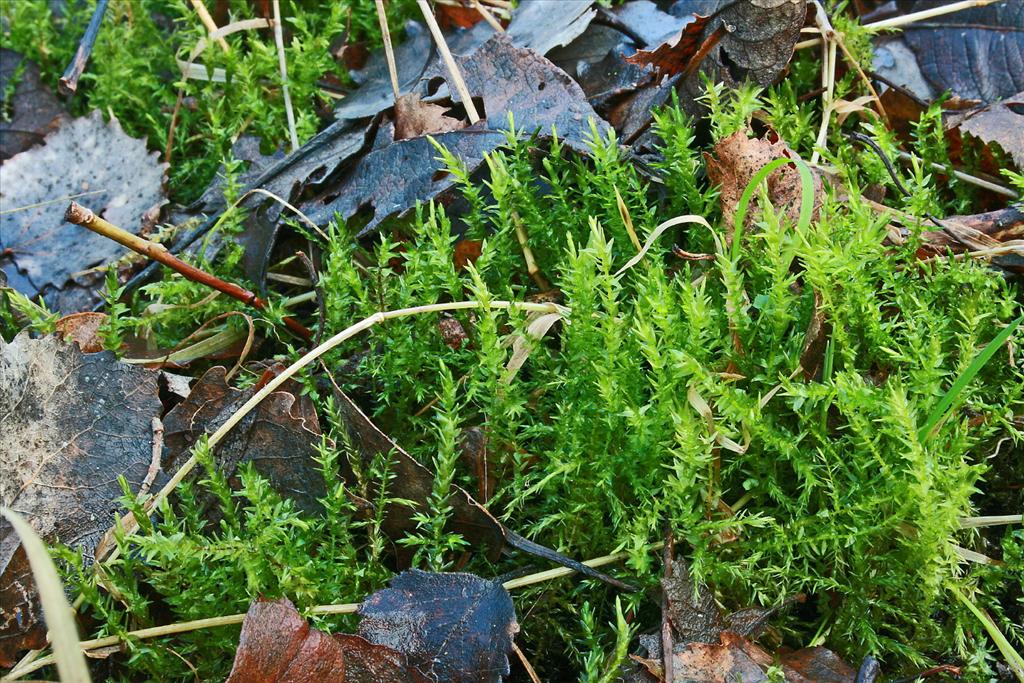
(72, 423)
(452, 626)
(280, 437)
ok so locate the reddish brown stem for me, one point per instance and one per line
(79, 215)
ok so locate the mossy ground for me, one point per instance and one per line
(601, 441)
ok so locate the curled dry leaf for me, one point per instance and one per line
(452, 627)
(1000, 123)
(83, 155)
(83, 329)
(279, 437)
(70, 425)
(734, 162)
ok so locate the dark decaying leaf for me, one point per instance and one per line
(736, 159)
(278, 646)
(279, 437)
(452, 627)
(82, 155)
(70, 425)
(976, 53)
(392, 178)
(1000, 123)
(543, 25)
(755, 40)
(32, 110)
(413, 482)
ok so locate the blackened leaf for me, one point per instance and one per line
(278, 646)
(692, 610)
(32, 110)
(83, 155)
(755, 39)
(452, 627)
(369, 663)
(977, 53)
(70, 425)
(279, 437)
(391, 180)
(816, 665)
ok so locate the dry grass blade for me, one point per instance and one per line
(658, 231)
(389, 51)
(283, 66)
(449, 62)
(60, 618)
(211, 26)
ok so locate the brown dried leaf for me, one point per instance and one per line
(737, 159)
(755, 40)
(369, 663)
(70, 424)
(83, 329)
(279, 437)
(83, 155)
(452, 627)
(414, 117)
(32, 111)
(278, 646)
(1001, 123)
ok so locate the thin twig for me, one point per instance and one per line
(966, 177)
(449, 62)
(389, 52)
(79, 215)
(906, 19)
(526, 664)
(209, 23)
(69, 81)
(531, 263)
(283, 65)
(154, 463)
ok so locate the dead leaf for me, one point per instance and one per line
(543, 25)
(976, 53)
(414, 117)
(452, 627)
(70, 424)
(1000, 123)
(413, 482)
(457, 15)
(83, 329)
(278, 646)
(279, 437)
(83, 155)
(392, 178)
(369, 663)
(755, 39)
(735, 161)
(32, 110)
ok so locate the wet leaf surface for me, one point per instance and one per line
(369, 663)
(83, 155)
(70, 425)
(977, 54)
(452, 627)
(279, 437)
(33, 109)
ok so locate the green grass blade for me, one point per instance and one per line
(60, 619)
(806, 199)
(1013, 658)
(952, 397)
